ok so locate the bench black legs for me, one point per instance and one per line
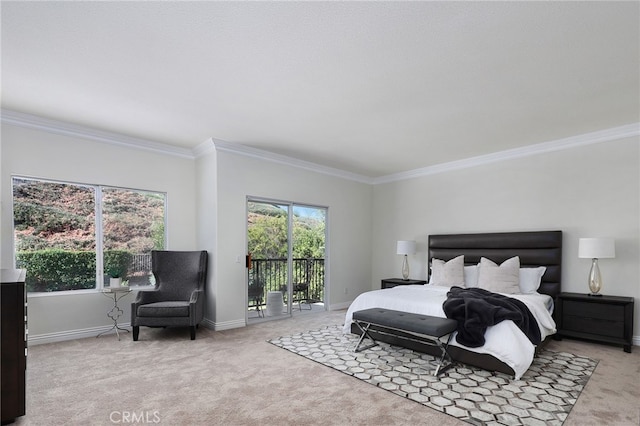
(443, 363)
(365, 333)
(445, 360)
(425, 328)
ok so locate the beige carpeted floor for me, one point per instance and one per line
(235, 377)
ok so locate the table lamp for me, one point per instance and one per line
(596, 248)
(405, 248)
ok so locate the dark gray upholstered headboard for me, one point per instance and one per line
(540, 248)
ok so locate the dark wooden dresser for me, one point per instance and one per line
(392, 282)
(605, 319)
(13, 302)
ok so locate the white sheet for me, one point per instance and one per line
(504, 340)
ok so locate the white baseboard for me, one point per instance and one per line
(207, 323)
(339, 306)
(61, 336)
(225, 325)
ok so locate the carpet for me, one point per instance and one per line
(544, 395)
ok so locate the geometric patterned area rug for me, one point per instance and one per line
(544, 395)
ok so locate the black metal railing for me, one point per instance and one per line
(138, 273)
(140, 262)
(271, 275)
(264, 275)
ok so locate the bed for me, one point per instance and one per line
(506, 348)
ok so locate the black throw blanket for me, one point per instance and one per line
(475, 309)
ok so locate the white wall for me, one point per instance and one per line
(349, 224)
(593, 190)
(588, 191)
(41, 154)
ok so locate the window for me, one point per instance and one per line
(76, 236)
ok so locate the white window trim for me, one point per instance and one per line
(97, 188)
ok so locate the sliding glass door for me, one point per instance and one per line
(286, 258)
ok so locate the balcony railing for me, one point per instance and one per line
(271, 275)
(265, 275)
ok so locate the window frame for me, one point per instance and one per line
(98, 225)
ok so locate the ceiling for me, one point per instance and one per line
(373, 88)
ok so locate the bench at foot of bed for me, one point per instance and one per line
(426, 328)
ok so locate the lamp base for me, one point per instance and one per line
(595, 279)
(405, 268)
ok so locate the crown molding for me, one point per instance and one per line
(204, 148)
(67, 129)
(211, 144)
(289, 161)
(607, 135)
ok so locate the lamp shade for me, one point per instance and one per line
(406, 247)
(596, 248)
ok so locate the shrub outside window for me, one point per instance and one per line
(71, 236)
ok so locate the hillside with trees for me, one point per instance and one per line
(267, 233)
(55, 233)
(54, 215)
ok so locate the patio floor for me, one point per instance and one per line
(256, 316)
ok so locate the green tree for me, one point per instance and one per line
(308, 239)
(157, 235)
(267, 233)
(268, 237)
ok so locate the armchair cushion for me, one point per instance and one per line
(164, 309)
(147, 296)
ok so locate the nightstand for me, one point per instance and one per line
(392, 282)
(605, 319)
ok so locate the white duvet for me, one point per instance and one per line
(504, 340)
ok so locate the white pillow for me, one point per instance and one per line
(449, 273)
(471, 276)
(530, 279)
(500, 279)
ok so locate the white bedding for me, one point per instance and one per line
(504, 340)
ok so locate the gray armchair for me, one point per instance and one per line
(178, 299)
